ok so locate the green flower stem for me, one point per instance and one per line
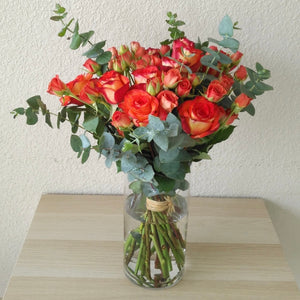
(131, 251)
(164, 246)
(127, 243)
(162, 261)
(148, 249)
(178, 257)
(139, 262)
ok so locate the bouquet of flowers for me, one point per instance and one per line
(153, 112)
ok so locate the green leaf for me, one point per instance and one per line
(209, 61)
(95, 50)
(84, 141)
(76, 39)
(31, 116)
(48, 119)
(155, 123)
(213, 41)
(58, 120)
(165, 184)
(56, 18)
(59, 9)
(252, 75)
(168, 156)
(108, 141)
(76, 143)
(86, 37)
(64, 30)
(63, 114)
(33, 102)
(104, 58)
(143, 174)
(18, 111)
(136, 186)
(90, 123)
(230, 43)
(224, 59)
(201, 155)
(212, 52)
(222, 135)
(263, 86)
(161, 140)
(85, 155)
(226, 27)
(250, 109)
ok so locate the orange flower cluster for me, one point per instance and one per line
(158, 81)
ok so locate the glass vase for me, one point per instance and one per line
(155, 232)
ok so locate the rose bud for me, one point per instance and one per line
(113, 51)
(241, 101)
(92, 66)
(167, 102)
(171, 78)
(123, 49)
(134, 46)
(227, 81)
(120, 120)
(183, 88)
(215, 91)
(164, 49)
(153, 86)
(241, 73)
(194, 79)
(56, 87)
(236, 57)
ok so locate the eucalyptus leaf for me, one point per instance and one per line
(76, 143)
(250, 109)
(230, 43)
(32, 118)
(85, 141)
(95, 50)
(104, 58)
(226, 27)
(90, 123)
(85, 155)
(48, 119)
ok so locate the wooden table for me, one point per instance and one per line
(74, 251)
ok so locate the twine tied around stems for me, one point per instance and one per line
(160, 206)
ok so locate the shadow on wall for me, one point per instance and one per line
(287, 225)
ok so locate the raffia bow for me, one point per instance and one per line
(160, 206)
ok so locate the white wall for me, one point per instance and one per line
(260, 160)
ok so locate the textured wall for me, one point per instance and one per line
(260, 160)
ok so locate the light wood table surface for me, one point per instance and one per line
(74, 251)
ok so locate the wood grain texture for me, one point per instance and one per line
(74, 251)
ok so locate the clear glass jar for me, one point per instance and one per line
(155, 239)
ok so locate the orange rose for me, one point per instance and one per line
(56, 87)
(167, 102)
(113, 86)
(184, 51)
(92, 66)
(242, 100)
(142, 75)
(199, 117)
(77, 87)
(183, 88)
(171, 78)
(241, 73)
(121, 121)
(227, 81)
(215, 91)
(138, 105)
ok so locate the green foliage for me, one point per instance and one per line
(175, 32)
